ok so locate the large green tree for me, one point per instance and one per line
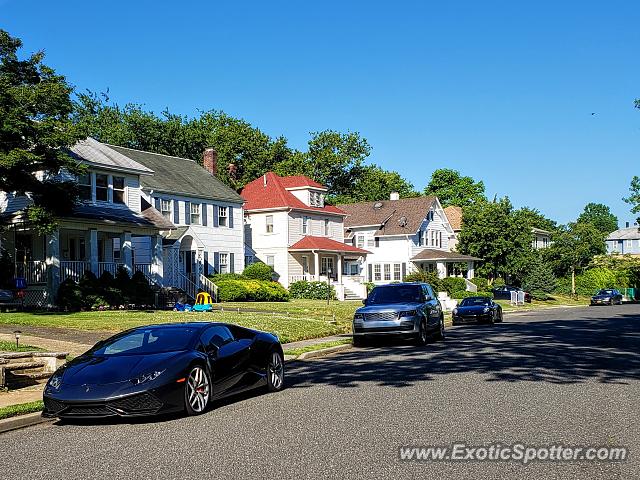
(35, 133)
(574, 247)
(634, 196)
(452, 188)
(373, 183)
(600, 216)
(494, 232)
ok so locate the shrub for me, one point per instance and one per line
(70, 296)
(592, 280)
(453, 284)
(425, 277)
(539, 278)
(106, 281)
(370, 286)
(540, 295)
(464, 294)
(481, 282)
(498, 282)
(258, 271)
(219, 277)
(234, 290)
(140, 291)
(88, 283)
(312, 290)
(96, 302)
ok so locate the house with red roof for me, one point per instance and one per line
(289, 227)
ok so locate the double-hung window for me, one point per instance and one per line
(326, 227)
(360, 241)
(102, 187)
(84, 186)
(305, 225)
(269, 221)
(165, 208)
(223, 214)
(397, 272)
(387, 271)
(118, 190)
(195, 213)
(224, 263)
(377, 272)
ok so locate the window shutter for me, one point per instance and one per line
(187, 213)
(377, 242)
(215, 216)
(176, 212)
(404, 271)
(370, 272)
(206, 263)
(204, 213)
(216, 262)
(232, 267)
(157, 203)
(230, 217)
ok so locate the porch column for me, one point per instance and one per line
(470, 270)
(316, 264)
(157, 261)
(92, 240)
(442, 269)
(126, 255)
(52, 251)
(199, 270)
(339, 272)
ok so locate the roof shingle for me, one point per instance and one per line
(454, 215)
(323, 243)
(394, 217)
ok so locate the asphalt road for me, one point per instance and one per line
(567, 376)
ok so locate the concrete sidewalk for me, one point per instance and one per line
(51, 344)
(24, 395)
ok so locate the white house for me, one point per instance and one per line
(164, 216)
(289, 226)
(541, 238)
(404, 235)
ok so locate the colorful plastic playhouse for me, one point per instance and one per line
(204, 302)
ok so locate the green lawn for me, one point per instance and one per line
(11, 347)
(22, 409)
(291, 321)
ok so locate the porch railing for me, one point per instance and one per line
(34, 272)
(110, 267)
(73, 269)
(305, 277)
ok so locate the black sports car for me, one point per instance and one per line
(607, 296)
(477, 309)
(164, 368)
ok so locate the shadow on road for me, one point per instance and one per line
(556, 351)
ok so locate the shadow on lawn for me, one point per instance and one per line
(558, 351)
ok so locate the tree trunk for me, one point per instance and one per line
(573, 280)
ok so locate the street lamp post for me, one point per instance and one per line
(328, 285)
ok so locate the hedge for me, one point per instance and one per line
(425, 277)
(251, 291)
(258, 271)
(464, 294)
(481, 282)
(312, 290)
(453, 284)
(592, 280)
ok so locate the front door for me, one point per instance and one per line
(327, 267)
(305, 267)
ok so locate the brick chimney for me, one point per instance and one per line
(210, 161)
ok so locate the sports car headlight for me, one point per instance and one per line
(358, 316)
(486, 310)
(55, 382)
(147, 377)
(408, 313)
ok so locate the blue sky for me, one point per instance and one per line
(503, 91)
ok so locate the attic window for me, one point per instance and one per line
(315, 199)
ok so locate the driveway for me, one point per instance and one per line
(566, 377)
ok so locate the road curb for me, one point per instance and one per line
(22, 421)
(321, 353)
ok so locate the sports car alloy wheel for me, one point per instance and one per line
(197, 391)
(275, 372)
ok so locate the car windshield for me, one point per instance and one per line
(470, 302)
(147, 341)
(605, 292)
(395, 294)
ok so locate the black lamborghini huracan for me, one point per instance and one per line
(164, 368)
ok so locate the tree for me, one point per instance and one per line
(493, 232)
(35, 134)
(573, 247)
(374, 183)
(539, 277)
(535, 219)
(634, 196)
(599, 216)
(451, 188)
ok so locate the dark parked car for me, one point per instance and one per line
(164, 368)
(504, 293)
(399, 309)
(607, 296)
(477, 309)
